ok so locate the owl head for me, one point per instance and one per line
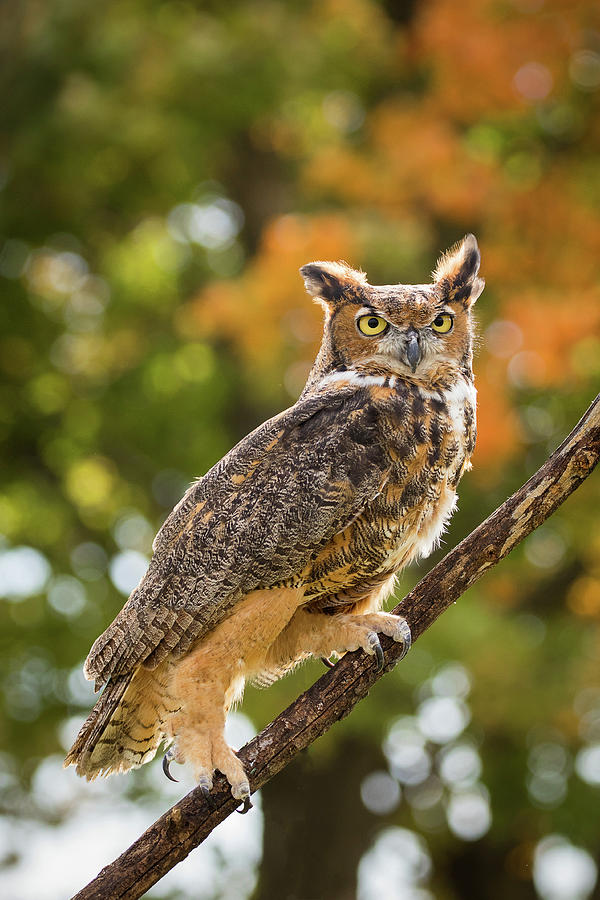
(423, 332)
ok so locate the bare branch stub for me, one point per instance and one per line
(182, 828)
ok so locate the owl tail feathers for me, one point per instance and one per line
(124, 729)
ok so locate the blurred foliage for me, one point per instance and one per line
(166, 167)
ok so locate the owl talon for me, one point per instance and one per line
(327, 662)
(167, 760)
(376, 649)
(403, 635)
(247, 806)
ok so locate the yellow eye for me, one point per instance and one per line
(443, 323)
(371, 325)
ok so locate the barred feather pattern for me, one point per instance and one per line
(329, 499)
(127, 724)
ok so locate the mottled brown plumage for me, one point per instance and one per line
(290, 544)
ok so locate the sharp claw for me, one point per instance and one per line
(242, 793)
(167, 760)
(375, 645)
(327, 662)
(406, 638)
(247, 805)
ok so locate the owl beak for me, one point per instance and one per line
(412, 349)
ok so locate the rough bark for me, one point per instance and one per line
(182, 828)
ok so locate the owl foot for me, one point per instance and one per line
(361, 632)
(209, 752)
(322, 634)
(239, 791)
(393, 626)
(373, 647)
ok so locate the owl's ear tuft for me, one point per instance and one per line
(329, 281)
(456, 272)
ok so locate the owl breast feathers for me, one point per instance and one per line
(289, 545)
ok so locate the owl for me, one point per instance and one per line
(290, 545)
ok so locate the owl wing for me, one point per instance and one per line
(253, 521)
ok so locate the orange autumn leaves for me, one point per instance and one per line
(414, 161)
(476, 51)
(458, 144)
(265, 312)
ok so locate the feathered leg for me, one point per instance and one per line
(321, 635)
(211, 677)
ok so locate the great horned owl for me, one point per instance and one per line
(291, 543)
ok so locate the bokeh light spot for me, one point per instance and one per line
(442, 719)
(452, 680)
(213, 224)
(562, 871)
(584, 69)
(503, 338)
(133, 531)
(526, 369)
(545, 548)
(380, 793)
(90, 482)
(24, 571)
(67, 596)
(459, 765)
(89, 561)
(126, 569)
(404, 747)
(583, 597)
(344, 111)
(533, 81)
(587, 764)
(469, 814)
(395, 867)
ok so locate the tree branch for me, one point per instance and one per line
(171, 838)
